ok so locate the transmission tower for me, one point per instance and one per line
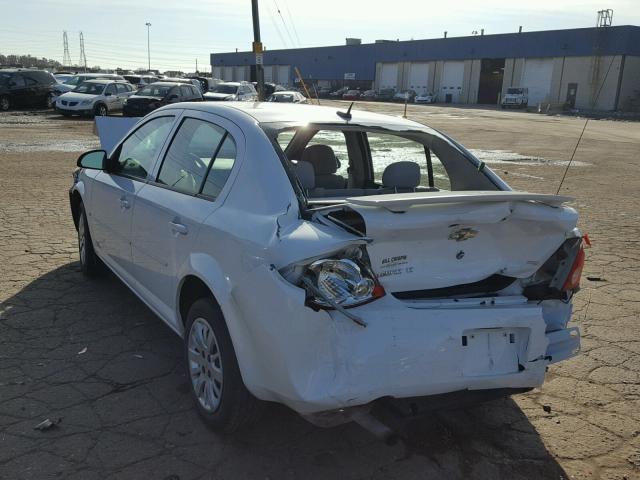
(66, 58)
(83, 57)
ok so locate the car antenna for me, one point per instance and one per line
(346, 115)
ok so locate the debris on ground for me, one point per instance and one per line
(83, 351)
(547, 408)
(596, 279)
(47, 424)
(137, 355)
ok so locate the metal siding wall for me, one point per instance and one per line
(537, 78)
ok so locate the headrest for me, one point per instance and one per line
(401, 175)
(322, 158)
(305, 173)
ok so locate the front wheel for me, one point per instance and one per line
(90, 264)
(222, 400)
(101, 110)
(50, 103)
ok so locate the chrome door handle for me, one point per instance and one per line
(179, 228)
(124, 203)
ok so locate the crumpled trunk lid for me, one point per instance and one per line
(426, 241)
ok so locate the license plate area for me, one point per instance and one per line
(493, 351)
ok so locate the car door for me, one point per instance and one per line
(114, 191)
(111, 97)
(123, 92)
(169, 210)
(19, 90)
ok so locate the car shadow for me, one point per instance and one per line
(91, 357)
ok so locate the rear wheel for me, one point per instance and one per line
(222, 400)
(101, 110)
(4, 103)
(50, 101)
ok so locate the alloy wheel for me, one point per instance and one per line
(205, 365)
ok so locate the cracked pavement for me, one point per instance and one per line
(90, 356)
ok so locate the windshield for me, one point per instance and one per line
(154, 90)
(228, 89)
(287, 97)
(514, 91)
(75, 80)
(4, 77)
(90, 88)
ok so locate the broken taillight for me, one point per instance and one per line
(573, 279)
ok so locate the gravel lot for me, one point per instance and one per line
(90, 355)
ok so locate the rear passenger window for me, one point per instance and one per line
(122, 88)
(186, 93)
(221, 168)
(387, 149)
(191, 152)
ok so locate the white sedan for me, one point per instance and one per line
(95, 97)
(287, 97)
(329, 260)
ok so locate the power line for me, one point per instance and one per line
(293, 24)
(284, 24)
(275, 24)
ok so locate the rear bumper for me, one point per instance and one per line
(316, 361)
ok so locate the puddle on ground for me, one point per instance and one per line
(491, 157)
(53, 146)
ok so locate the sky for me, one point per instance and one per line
(184, 31)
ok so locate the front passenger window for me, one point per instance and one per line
(137, 153)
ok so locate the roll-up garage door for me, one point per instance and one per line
(240, 74)
(451, 83)
(389, 76)
(268, 73)
(283, 74)
(537, 78)
(418, 77)
(217, 72)
(227, 74)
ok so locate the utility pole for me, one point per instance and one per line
(257, 49)
(196, 65)
(148, 48)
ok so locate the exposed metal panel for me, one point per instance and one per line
(268, 73)
(418, 77)
(389, 75)
(284, 74)
(537, 78)
(451, 83)
(227, 74)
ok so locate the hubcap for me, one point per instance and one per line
(102, 111)
(205, 365)
(82, 240)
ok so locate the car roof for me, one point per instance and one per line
(164, 83)
(271, 112)
(105, 80)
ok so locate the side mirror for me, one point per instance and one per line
(93, 160)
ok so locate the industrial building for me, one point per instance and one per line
(587, 68)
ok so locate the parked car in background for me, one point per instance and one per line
(192, 81)
(95, 98)
(516, 97)
(232, 91)
(287, 97)
(369, 95)
(158, 94)
(425, 97)
(334, 289)
(337, 94)
(25, 88)
(351, 95)
(140, 81)
(386, 94)
(62, 77)
(78, 78)
(269, 88)
(404, 96)
(323, 92)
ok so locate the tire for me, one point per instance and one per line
(101, 110)
(4, 103)
(49, 101)
(90, 264)
(222, 400)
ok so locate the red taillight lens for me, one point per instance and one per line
(573, 279)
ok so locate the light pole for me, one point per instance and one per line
(148, 47)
